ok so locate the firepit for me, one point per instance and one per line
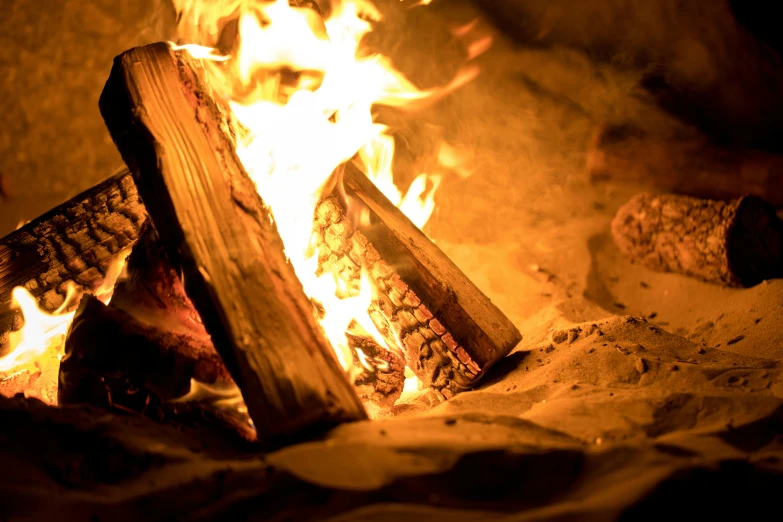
(255, 316)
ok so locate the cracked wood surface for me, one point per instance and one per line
(73, 243)
(451, 333)
(735, 243)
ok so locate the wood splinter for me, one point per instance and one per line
(736, 243)
(215, 229)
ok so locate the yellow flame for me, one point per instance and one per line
(39, 345)
(302, 90)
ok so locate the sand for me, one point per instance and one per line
(664, 401)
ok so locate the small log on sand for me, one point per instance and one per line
(739, 243)
(693, 168)
(215, 229)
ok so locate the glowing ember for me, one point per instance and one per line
(303, 91)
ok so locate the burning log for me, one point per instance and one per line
(143, 351)
(451, 333)
(739, 243)
(74, 243)
(383, 372)
(693, 168)
(214, 227)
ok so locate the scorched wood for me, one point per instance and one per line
(214, 226)
(451, 333)
(739, 243)
(73, 243)
(143, 351)
(689, 167)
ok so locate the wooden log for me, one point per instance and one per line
(152, 290)
(114, 361)
(693, 167)
(143, 351)
(216, 230)
(75, 243)
(739, 243)
(449, 331)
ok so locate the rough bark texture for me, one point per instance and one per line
(739, 243)
(215, 228)
(448, 330)
(693, 168)
(74, 243)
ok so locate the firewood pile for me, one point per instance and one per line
(210, 299)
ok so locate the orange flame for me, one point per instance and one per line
(303, 91)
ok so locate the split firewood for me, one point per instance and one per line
(739, 243)
(692, 167)
(215, 229)
(74, 243)
(450, 332)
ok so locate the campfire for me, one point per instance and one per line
(303, 292)
(273, 260)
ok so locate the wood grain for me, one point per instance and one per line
(215, 228)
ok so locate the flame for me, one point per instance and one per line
(39, 345)
(302, 90)
(225, 397)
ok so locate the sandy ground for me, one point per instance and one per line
(667, 391)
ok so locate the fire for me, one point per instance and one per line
(36, 349)
(303, 90)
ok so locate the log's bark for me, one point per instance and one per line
(215, 229)
(693, 168)
(73, 243)
(449, 331)
(739, 243)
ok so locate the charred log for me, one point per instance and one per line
(73, 243)
(215, 229)
(382, 376)
(142, 352)
(449, 330)
(693, 168)
(739, 243)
